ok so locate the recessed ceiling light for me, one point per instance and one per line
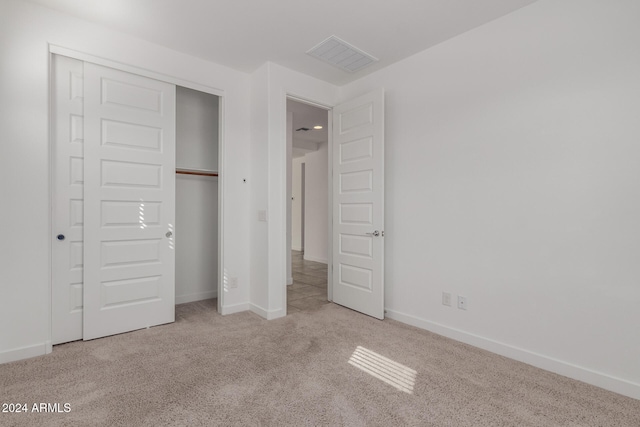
(317, 127)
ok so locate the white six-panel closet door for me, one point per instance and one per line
(68, 181)
(129, 202)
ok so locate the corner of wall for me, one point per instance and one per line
(267, 314)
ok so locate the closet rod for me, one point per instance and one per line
(196, 172)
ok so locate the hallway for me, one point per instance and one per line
(309, 289)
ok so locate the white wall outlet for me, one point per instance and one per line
(262, 215)
(446, 299)
(462, 302)
(233, 282)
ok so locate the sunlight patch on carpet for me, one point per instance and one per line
(384, 369)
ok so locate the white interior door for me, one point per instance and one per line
(129, 202)
(358, 204)
(68, 170)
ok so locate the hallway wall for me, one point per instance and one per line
(296, 204)
(316, 208)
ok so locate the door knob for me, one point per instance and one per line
(60, 236)
(374, 234)
(169, 234)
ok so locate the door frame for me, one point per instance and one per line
(303, 198)
(329, 109)
(82, 56)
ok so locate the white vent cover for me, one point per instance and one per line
(341, 54)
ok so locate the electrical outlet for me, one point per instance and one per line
(462, 302)
(446, 299)
(262, 215)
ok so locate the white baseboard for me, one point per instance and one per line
(235, 308)
(269, 315)
(25, 352)
(290, 281)
(599, 379)
(199, 296)
(312, 258)
(296, 248)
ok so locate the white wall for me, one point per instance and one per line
(296, 203)
(271, 84)
(25, 31)
(197, 117)
(196, 196)
(259, 249)
(512, 178)
(316, 230)
(196, 238)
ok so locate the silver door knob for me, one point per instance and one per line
(169, 234)
(374, 234)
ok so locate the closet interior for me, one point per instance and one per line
(196, 195)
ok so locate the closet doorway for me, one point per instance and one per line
(134, 164)
(197, 132)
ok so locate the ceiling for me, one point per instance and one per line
(244, 34)
(307, 116)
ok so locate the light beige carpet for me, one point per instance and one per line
(206, 369)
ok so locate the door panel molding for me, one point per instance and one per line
(357, 171)
(129, 274)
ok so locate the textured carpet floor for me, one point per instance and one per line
(206, 369)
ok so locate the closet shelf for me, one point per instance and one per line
(201, 172)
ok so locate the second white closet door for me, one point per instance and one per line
(129, 202)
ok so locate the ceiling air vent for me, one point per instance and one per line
(342, 55)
